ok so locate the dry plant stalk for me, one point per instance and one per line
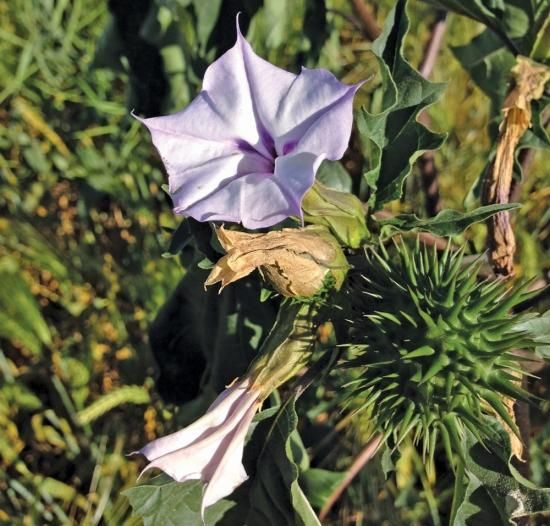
(368, 21)
(529, 80)
(295, 261)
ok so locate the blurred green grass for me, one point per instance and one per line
(84, 223)
(81, 274)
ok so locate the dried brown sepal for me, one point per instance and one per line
(529, 80)
(515, 442)
(295, 261)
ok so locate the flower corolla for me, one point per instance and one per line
(247, 148)
(211, 448)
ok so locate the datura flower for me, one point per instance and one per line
(211, 448)
(247, 148)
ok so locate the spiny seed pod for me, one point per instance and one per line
(434, 346)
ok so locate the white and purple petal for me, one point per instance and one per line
(248, 147)
(211, 448)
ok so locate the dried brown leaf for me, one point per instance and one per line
(529, 81)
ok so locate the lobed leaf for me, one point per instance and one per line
(447, 222)
(396, 137)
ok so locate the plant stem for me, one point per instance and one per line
(366, 17)
(434, 44)
(429, 173)
(368, 452)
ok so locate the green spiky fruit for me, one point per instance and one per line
(434, 344)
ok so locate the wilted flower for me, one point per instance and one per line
(211, 448)
(296, 261)
(248, 147)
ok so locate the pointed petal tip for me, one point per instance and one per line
(239, 33)
(137, 117)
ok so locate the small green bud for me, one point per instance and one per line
(341, 212)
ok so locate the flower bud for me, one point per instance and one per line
(341, 212)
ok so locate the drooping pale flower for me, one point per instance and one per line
(211, 448)
(247, 148)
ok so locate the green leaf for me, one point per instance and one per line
(517, 23)
(489, 63)
(396, 137)
(207, 15)
(278, 14)
(536, 136)
(235, 327)
(109, 48)
(173, 503)
(495, 491)
(181, 237)
(447, 222)
(334, 175)
(538, 329)
(276, 498)
(318, 485)
(387, 462)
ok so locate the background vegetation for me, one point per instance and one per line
(85, 233)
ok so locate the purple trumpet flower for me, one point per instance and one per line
(211, 448)
(246, 150)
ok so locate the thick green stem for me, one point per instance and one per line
(287, 347)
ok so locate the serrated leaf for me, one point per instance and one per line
(447, 222)
(183, 350)
(173, 504)
(396, 137)
(276, 498)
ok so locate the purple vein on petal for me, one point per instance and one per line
(266, 140)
